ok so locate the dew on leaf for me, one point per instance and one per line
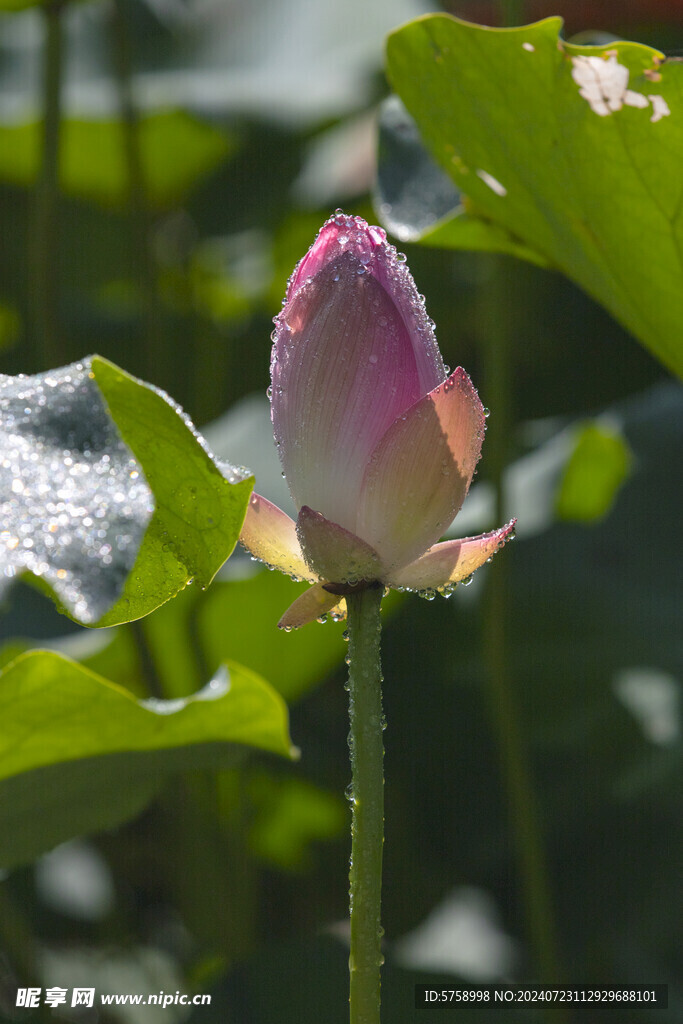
(69, 481)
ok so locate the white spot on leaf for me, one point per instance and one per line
(660, 108)
(529, 47)
(492, 183)
(603, 84)
(635, 99)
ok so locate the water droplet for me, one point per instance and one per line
(80, 500)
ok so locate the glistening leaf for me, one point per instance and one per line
(412, 192)
(78, 753)
(417, 201)
(107, 494)
(574, 150)
(199, 503)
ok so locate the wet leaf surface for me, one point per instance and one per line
(113, 525)
(574, 150)
(79, 753)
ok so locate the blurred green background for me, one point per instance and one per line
(533, 754)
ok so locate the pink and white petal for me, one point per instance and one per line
(311, 605)
(334, 553)
(343, 369)
(345, 234)
(420, 472)
(396, 278)
(330, 242)
(270, 535)
(451, 561)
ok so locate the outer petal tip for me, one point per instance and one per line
(270, 536)
(420, 472)
(452, 561)
(314, 603)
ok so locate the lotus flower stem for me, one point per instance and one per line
(367, 803)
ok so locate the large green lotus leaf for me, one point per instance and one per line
(576, 151)
(177, 150)
(199, 504)
(237, 618)
(108, 496)
(418, 202)
(79, 753)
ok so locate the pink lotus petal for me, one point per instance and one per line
(335, 554)
(420, 472)
(344, 234)
(270, 535)
(343, 369)
(312, 604)
(452, 561)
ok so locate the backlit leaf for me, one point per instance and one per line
(109, 497)
(574, 150)
(78, 753)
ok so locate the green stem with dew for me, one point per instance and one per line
(367, 803)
